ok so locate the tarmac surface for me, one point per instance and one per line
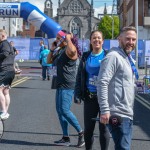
(34, 125)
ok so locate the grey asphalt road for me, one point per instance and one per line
(33, 122)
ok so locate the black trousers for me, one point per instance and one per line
(91, 110)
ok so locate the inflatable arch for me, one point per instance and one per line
(31, 14)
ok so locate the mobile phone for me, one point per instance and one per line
(62, 34)
(55, 43)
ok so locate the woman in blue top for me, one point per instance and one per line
(86, 90)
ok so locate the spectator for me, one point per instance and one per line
(41, 43)
(45, 67)
(116, 89)
(66, 73)
(86, 90)
(16, 66)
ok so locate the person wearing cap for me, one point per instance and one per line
(65, 61)
(116, 89)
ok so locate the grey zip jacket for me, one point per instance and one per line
(116, 85)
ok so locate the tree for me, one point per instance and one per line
(105, 26)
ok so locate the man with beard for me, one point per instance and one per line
(116, 89)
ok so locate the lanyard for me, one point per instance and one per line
(133, 67)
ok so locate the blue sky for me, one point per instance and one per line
(101, 3)
(98, 5)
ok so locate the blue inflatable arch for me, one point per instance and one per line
(31, 14)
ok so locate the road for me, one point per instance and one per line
(33, 122)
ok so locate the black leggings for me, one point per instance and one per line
(91, 110)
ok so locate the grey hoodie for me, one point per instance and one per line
(115, 85)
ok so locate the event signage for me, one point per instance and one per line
(10, 10)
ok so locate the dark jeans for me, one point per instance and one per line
(122, 134)
(91, 110)
(45, 71)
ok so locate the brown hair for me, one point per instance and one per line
(128, 28)
(91, 48)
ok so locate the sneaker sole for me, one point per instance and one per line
(62, 144)
(5, 117)
(81, 145)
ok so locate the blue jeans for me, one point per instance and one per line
(63, 105)
(122, 134)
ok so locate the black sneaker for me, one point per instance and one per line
(48, 78)
(81, 140)
(63, 142)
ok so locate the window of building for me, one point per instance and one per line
(27, 36)
(48, 4)
(148, 4)
(3, 27)
(14, 22)
(75, 27)
(27, 25)
(75, 7)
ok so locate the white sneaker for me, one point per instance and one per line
(4, 116)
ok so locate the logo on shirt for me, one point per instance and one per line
(99, 61)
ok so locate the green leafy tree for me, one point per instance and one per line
(105, 26)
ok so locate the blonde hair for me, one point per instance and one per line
(3, 33)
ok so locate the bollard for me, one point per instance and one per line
(146, 80)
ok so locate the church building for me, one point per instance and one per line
(76, 16)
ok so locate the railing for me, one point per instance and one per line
(143, 84)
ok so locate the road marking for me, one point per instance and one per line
(143, 101)
(20, 81)
(148, 103)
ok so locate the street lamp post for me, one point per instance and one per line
(112, 27)
(136, 24)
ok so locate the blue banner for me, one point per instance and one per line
(84, 45)
(35, 48)
(22, 45)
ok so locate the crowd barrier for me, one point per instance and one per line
(29, 48)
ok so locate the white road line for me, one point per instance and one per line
(142, 101)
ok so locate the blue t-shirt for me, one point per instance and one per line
(92, 69)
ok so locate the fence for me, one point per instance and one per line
(29, 48)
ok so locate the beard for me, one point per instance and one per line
(127, 48)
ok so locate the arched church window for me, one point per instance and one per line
(75, 7)
(75, 27)
(48, 4)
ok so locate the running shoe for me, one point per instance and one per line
(4, 116)
(63, 142)
(81, 141)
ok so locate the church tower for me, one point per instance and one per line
(48, 8)
(105, 10)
